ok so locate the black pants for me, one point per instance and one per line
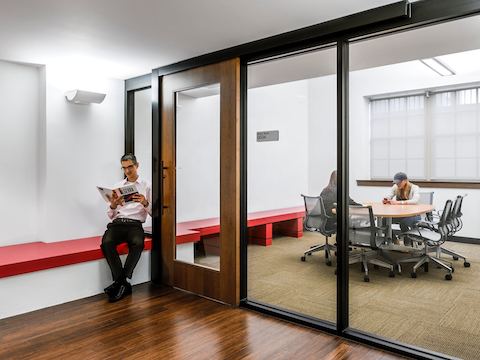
(118, 233)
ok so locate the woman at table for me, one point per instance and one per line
(403, 192)
(329, 196)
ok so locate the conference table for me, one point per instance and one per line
(390, 212)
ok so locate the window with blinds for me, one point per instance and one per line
(398, 137)
(429, 138)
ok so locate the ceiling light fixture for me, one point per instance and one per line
(439, 67)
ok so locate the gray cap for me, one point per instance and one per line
(399, 177)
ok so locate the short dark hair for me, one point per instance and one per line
(129, 156)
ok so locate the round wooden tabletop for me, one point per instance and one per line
(399, 211)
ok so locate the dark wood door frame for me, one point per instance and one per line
(223, 285)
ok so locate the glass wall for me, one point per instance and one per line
(143, 136)
(414, 119)
(292, 152)
(197, 174)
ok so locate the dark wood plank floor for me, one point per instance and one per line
(165, 324)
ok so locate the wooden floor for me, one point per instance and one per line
(165, 324)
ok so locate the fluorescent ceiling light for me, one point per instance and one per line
(437, 66)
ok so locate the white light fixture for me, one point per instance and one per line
(84, 97)
(437, 66)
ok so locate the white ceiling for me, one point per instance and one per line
(456, 43)
(126, 38)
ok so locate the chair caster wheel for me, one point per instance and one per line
(455, 258)
(466, 264)
(413, 275)
(448, 277)
(376, 267)
(391, 274)
(366, 278)
(329, 263)
(302, 258)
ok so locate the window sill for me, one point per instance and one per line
(425, 184)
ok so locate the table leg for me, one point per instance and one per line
(388, 221)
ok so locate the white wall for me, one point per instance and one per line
(198, 157)
(277, 170)
(322, 132)
(143, 136)
(84, 144)
(60, 285)
(19, 128)
(57, 153)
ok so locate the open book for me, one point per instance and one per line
(126, 191)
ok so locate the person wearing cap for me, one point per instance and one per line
(403, 192)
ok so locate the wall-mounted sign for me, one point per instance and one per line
(272, 135)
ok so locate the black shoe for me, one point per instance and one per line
(111, 288)
(124, 289)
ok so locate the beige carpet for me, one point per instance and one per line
(428, 311)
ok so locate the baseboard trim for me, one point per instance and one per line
(465, 240)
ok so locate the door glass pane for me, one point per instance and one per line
(197, 172)
(143, 138)
(292, 151)
(434, 302)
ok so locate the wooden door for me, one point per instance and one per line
(188, 148)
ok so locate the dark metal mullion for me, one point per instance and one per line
(243, 181)
(155, 254)
(129, 122)
(342, 185)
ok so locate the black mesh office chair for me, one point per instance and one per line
(426, 198)
(432, 235)
(317, 220)
(455, 224)
(364, 235)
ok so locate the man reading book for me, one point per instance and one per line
(126, 227)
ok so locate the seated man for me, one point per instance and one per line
(126, 227)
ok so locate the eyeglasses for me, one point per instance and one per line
(129, 167)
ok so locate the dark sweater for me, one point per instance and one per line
(329, 197)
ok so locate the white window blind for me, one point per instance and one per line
(398, 137)
(431, 138)
(454, 135)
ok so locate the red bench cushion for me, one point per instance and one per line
(30, 257)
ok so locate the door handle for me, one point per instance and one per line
(162, 185)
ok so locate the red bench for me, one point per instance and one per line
(261, 226)
(24, 258)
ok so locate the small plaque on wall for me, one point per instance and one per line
(271, 135)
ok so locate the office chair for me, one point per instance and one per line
(364, 235)
(316, 220)
(432, 235)
(455, 224)
(427, 199)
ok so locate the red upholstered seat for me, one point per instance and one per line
(35, 256)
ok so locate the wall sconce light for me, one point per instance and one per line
(84, 97)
